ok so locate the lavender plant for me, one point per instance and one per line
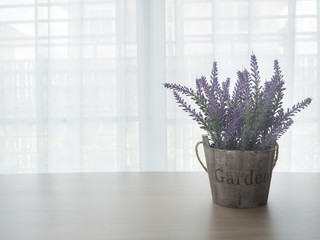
(252, 118)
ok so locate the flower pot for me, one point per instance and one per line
(239, 178)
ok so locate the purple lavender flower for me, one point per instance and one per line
(187, 108)
(252, 118)
(215, 86)
(232, 128)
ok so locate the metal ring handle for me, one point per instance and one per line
(196, 148)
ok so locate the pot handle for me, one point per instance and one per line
(196, 148)
(276, 157)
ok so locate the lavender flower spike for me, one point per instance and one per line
(252, 118)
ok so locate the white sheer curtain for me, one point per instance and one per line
(69, 91)
(229, 31)
(80, 80)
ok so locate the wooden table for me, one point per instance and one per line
(151, 206)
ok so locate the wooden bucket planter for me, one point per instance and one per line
(238, 178)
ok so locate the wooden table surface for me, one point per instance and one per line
(151, 206)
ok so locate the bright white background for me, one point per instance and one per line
(80, 80)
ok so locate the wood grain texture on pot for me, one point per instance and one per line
(238, 178)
